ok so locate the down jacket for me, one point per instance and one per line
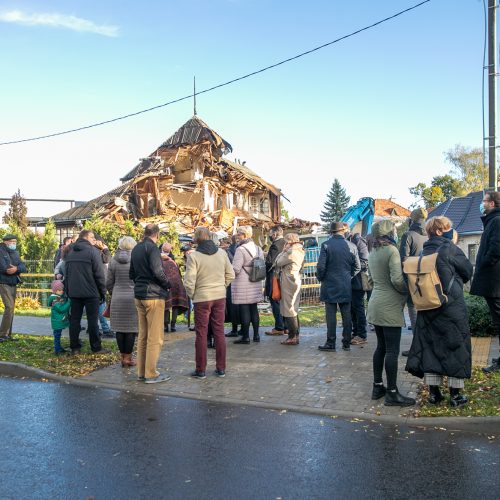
(243, 291)
(486, 282)
(289, 264)
(123, 316)
(441, 341)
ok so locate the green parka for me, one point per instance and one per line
(59, 312)
(386, 304)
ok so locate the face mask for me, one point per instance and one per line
(395, 237)
(11, 246)
(448, 234)
(482, 209)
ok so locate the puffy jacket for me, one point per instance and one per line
(244, 291)
(59, 311)
(146, 271)
(486, 282)
(338, 263)
(10, 258)
(84, 276)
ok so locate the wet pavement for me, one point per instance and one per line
(68, 442)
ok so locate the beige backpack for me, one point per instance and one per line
(424, 285)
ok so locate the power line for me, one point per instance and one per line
(229, 82)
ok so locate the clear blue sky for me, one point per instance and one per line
(377, 111)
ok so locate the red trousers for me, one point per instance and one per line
(211, 312)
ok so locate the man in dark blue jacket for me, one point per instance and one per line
(11, 267)
(151, 288)
(85, 285)
(338, 263)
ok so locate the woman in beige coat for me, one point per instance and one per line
(288, 265)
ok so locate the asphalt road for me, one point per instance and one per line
(69, 442)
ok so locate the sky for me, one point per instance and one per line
(377, 110)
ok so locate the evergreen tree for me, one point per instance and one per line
(17, 212)
(335, 205)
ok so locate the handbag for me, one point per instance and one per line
(107, 311)
(275, 288)
(365, 281)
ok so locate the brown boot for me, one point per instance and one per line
(128, 361)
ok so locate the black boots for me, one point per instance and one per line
(435, 396)
(457, 399)
(378, 391)
(394, 398)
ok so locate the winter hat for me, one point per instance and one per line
(383, 228)
(418, 214)
(9, 236)
(57, 286)
(166, 248)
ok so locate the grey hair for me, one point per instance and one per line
(246, 230)
(292, 238)
(277, 230)
(214, 238)
(201, 233)
(126, 243)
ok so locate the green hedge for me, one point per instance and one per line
(479, 316)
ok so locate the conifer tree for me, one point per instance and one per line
(17, 212)
(335, 205)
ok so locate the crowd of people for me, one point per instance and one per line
(224, 281)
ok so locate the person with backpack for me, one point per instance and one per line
(288, 265)
(246, 290)
(441, 343)
(385, 312)
(412, 243)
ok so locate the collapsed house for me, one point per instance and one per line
(187, 181)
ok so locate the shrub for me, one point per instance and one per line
(24, 301)
(479, 316)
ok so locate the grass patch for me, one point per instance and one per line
(482, 390)
(43, 312)
(37, 351)
(312, 316)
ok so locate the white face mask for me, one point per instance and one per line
(11, 246)
(482, 208)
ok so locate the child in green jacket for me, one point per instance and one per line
(59, 313)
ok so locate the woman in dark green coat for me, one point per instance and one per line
(385, 312)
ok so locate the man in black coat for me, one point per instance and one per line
(11, 267)
(358, 313)
(278, 242)
(412, 243)
(85, 285)
(151, 288)
(486, 282)
(338, 263)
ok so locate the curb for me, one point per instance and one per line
(476, 425)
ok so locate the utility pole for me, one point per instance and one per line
(492, 98)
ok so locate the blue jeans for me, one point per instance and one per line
(278, 318)
(57, 341)
(104, 322)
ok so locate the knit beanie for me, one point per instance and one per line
(418, 214)
(57, 286)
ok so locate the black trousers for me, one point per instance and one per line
(331, 323)
(387, 352)
(125, 341)
(91, 305)
(494, 305)
(249, 314)
(358, 313)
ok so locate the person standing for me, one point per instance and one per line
(151, 288)
(338, 263)
(208, 274)
(66, 243)
(412, 243)
(277, 245)
(245, 293)
(486, 282)
(385, 312)
(123, 313)
(85, 285)
(232, 310)
(59, 314)
(11, 267)
(289, 265)
(441, 343)
(106, 259)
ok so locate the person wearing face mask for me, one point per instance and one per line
(441, 343)
(486, 282)
(11, 267)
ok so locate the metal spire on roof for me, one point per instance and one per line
(194, 94)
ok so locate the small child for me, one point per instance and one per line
(59, 313)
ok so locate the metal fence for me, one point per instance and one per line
(36, 280)
(309, 293)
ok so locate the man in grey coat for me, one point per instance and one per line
(338, 263)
